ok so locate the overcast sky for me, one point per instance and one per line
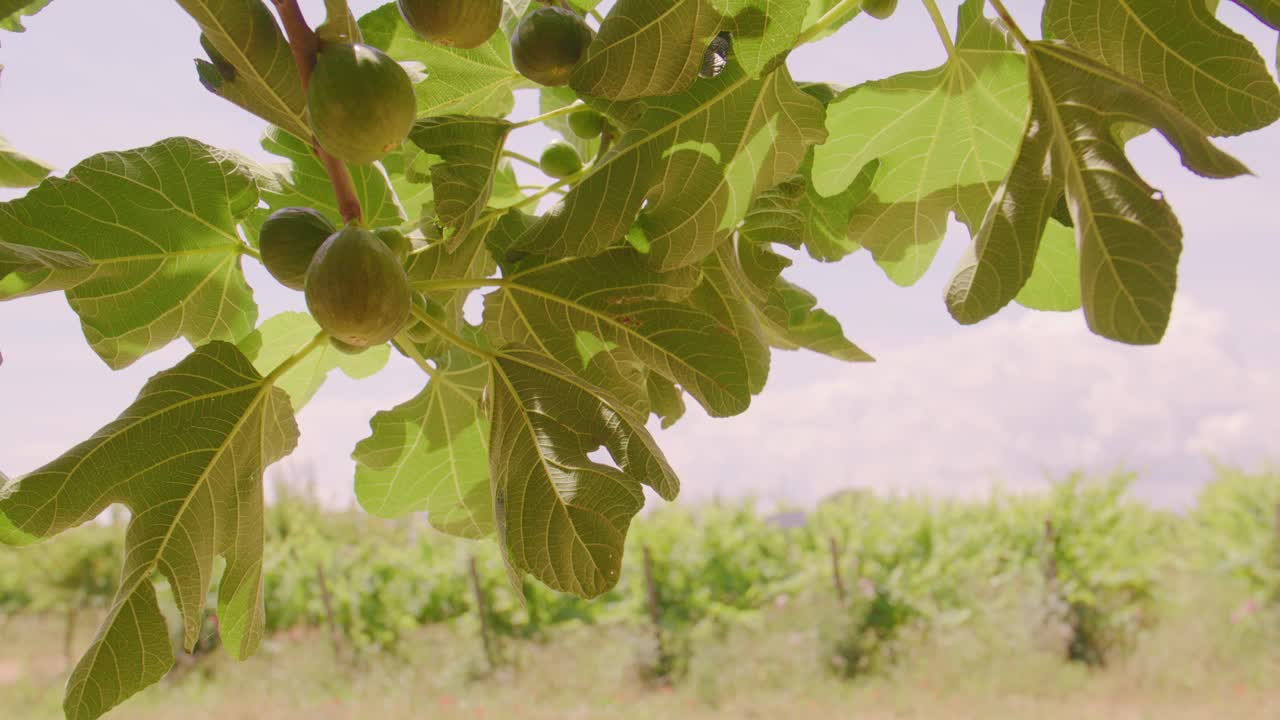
(1011, 402)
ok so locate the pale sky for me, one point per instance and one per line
(947, 409)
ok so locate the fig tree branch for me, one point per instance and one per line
(305, 45)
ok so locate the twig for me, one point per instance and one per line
(305, 45)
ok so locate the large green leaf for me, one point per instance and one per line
(694, 162)
(646, 48)
(470, 260)
(262, 77)
(763, 31)
(12, 12)
(194, 496)
(18, 170)
(1178, 49)
(562, 516)
(158, 227)
(792, 213)
(279, 337)
(472, 150)
(303, 182)
(943, 139)
(1268, 11)
(431, 454)
(612, 301)
(1129, 239)
(464, 82)
(788, 314)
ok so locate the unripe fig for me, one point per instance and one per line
(560, 160)
(346, 348)
(586, 124)
(356, 288)
(360, 103)
(395, 241)
(880, 9)
(289, 240)
(455, 23)
(548, 43)
(419, 331)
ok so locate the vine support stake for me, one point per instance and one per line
(304, 44)
(330, 618)
(835, 569)
(482, 609)
(655, 607)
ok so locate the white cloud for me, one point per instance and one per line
(1010, 402)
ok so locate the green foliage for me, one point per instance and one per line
(1237, 530)
(655, 275)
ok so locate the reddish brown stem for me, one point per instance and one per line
(305, 45)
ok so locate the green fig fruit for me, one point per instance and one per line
(346, 348)
(454, 23)
(361, 103)
(548, 43)
(418, 331)
(879, 9)
(560, 160)
(586, 124)
(289, 240)
(396, 241)
(356, 288)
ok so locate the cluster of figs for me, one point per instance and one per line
(361, 106)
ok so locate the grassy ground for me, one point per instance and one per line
(1198, 662)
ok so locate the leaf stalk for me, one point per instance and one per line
(941, 26)
(827, 20)
(1007, 18)
(289, 363)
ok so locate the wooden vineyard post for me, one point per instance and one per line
(835, 569)
(655, 609)
(482, 609)
(332, 621)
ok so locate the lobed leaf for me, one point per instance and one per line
(431, 454)
(472, 150)
(1178, 49)
(12, 12)
(694, 162)
(1128, 236)
(763, 31)
(646, 48)
(616, 299)
(244, 35)
(193, 497)
(562, 516)
(459, 82)
(942, 140)
(283, 335)
(18, 170)
(157, 226)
